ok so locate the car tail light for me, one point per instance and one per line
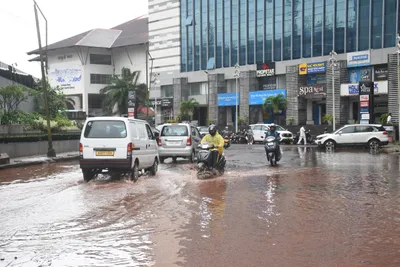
(129, 150)
(80, 149)
(159, 141)
(385, 133)
(189, 141)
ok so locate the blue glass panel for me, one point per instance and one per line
(287, 30)
(260, 31)
(307, 30)
(190, 35)
(211, 63)
(242, 32)
(390, 23)
(204, 35)
(211, 28)
(197, 33)
(220, 33)
(278, 31)
(227, 31)
(317, 41)
(328, 30)
(376, 27)
(235, 32)
(340, 25)
(183, 37)
(251, 30)
(363, 26)
(269, 29)
(351, 26)
(297, 28)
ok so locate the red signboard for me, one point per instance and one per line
(364, 104)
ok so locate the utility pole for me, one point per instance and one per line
(237, 75)
(50, 152)
(398, 82)
(333, 62)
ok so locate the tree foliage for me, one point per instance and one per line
(12, 96)
(275, 104)
(116, 93)
(187, 108)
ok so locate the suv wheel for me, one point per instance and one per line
(373, 144)
(330, 144)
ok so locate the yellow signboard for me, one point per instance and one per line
(303, 69)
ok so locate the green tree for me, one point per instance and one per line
(275, 104)
(12, 96)
(116, 93)
(57, 101)
(187, 108)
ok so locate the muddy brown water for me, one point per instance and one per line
(313, 209)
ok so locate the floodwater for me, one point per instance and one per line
(313, 209)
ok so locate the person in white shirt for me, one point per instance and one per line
(302, 136)
(389, 118)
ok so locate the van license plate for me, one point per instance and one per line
(104, 153)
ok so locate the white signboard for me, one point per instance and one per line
(66, 78)
(349, 89)
(359, 59)
(364, 97)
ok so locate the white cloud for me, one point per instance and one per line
(65, 19)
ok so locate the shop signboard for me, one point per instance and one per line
(360, 74)
(131, 103)
(351, 89)
(312, 68)
(153, 102)
(167, 102)
(227, 100)
(381, 73)
(259, 97)
(359, 59)
(366, 91)
(316, 79)
(266, 69)
(314, 90)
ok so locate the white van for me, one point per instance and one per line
(119, 145)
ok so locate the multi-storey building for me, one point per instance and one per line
(281, 46)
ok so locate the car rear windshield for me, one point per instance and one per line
(175, 130)
(105, 129)
(203, 129)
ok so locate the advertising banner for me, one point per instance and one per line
(350, 89)
(357, 75)
(312, 68)
(358, 59)
(131, 104)
(316, 79)
(66, 78)
(227, 100)
(266, 69)
(259, 97)
(366, 90)
(315, 90)
(381, 73)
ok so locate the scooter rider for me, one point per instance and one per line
(213, 137)
(272, 132)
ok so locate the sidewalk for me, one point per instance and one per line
(39, 159)
(391, 149)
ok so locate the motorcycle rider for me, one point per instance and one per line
(272, 132)
(213, 137)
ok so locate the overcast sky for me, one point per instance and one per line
(65, 19)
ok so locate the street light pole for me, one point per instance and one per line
(155, 81)
(333, 63)
(237, 75)
(398, 81)
(50, 152)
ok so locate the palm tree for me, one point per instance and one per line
(116, 93)
(275, 104)
(187, 108)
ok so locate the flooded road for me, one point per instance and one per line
(313, 209)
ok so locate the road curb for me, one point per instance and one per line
(38, 162)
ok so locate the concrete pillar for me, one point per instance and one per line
(247, 83)
(292, 85)
(229, 116)
(181, 90)
(393, 88)
(216, 83)
(310, 120)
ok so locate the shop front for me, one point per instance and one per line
(164, 105)
(258, 112)
(312, 92)
(227, 108)
(266, 76)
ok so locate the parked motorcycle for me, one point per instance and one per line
(309, 138)
(203, 170)
(239, 138)
(271, 150)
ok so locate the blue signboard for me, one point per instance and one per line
(358, 59)
(227, 100)
(313, 68)
(364, 110)
(259, 97)
(316, 79)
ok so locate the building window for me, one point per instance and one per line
(251, 10)
(269, 30)
(340, 25)
(211, 28)
(260, 31)
(363, 26)
(197, 34)
(204, 35)
(328, 30)
(297, 28)
(287, 31)
(307, 30)
(100, 78)
(195, 89)
(227, 30)
(351, 26)
(97, 59)
(278, 31)
(167, 90)
(317, 41)
(376, 31)
(242, 32)
(219, 34)
(390, 23)
(190, 31)
(183, 37)
(235, 33)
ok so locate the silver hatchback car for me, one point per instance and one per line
(178, 140)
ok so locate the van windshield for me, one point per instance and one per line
(174, 130)
(105, 129)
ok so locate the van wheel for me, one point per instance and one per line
(162, 159)
(134, 176)
(174, 159)
(192, 157)
(88, 175)
(154, 168)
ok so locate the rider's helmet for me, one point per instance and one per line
(272, 127)
(212, 130)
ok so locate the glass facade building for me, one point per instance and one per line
(221, 33)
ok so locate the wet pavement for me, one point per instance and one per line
(313, 209)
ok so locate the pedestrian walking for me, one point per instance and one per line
(389, 118)
(302, 136)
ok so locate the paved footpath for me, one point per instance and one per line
(39, 159)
